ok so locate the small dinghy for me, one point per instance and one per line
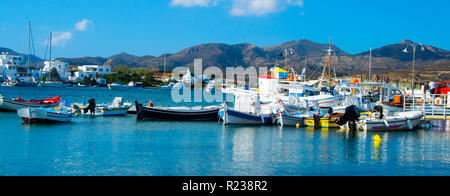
(291, 115)
(116, 108)
(198, 113)
(399, 121)
(377, 121)
(18, 103)
(45, 115)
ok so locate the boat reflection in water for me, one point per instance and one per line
(261, 150)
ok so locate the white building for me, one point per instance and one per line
(99, 69)
(61, 67)
(90, 71)
(11, 66)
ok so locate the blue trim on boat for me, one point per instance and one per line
(244, 116)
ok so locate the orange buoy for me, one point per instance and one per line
(291, 77)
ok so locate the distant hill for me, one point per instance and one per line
(224, 55)
(12, 52)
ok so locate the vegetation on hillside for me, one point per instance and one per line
(124, 74)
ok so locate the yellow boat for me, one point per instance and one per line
(329, 122)
(323, 123)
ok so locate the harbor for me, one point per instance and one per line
(222, 97)
(124, 146)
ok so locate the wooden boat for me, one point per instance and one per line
(116, 108)
(399, 121)
(291, 115)
(18, 103)
(199, 113)
(235, 117)
(285, 119)
(45, 115)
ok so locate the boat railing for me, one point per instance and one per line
(434, 106)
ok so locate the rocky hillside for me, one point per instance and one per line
(223, 55)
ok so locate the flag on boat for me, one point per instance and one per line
(66, 104)
(280, 73)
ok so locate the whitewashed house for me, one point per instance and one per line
(90, 71)
(11, 66)
(61, 67)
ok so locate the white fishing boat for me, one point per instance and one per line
(168, 86)
(19, 103)
(292, 115)
(247, 111)
(398, 121)
(45, 115)
(51, 84)
(115, 86)
(116, 108)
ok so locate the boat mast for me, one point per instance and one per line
(370, 65)
(165, 67)
(29, 45)
(50, 47)
(329, 63)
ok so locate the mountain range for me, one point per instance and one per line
(245, 54)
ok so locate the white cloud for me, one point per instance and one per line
(61, 38)
(193, 3)
(83, 25)
(244, 7)
(261, 7)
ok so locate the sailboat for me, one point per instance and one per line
(25, 78)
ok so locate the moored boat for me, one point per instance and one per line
(323, 122)
(199, 113)
(399, 121)
(19, 103)
(116, 108)
(235, 117)
(45, 115)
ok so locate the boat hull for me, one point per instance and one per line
(288, 120)
(233, 117)
(40, 115)
(108, 112)
(323, 123)
(149, 113)
(13, 106)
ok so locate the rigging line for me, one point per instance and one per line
(315, 71)
(317, 68)
(46, 50)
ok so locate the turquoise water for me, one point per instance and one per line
(123, 146)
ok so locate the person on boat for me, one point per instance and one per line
(150, 103)
(432, 87)
(91, 107)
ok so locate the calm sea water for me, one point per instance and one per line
(123, 146)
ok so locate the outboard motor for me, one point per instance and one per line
(378, 112)
(330, 111)
(351, 115)
(91, 107)
(138, 110)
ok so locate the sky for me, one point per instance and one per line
(153, 27)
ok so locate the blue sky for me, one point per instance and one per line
(152, 27)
